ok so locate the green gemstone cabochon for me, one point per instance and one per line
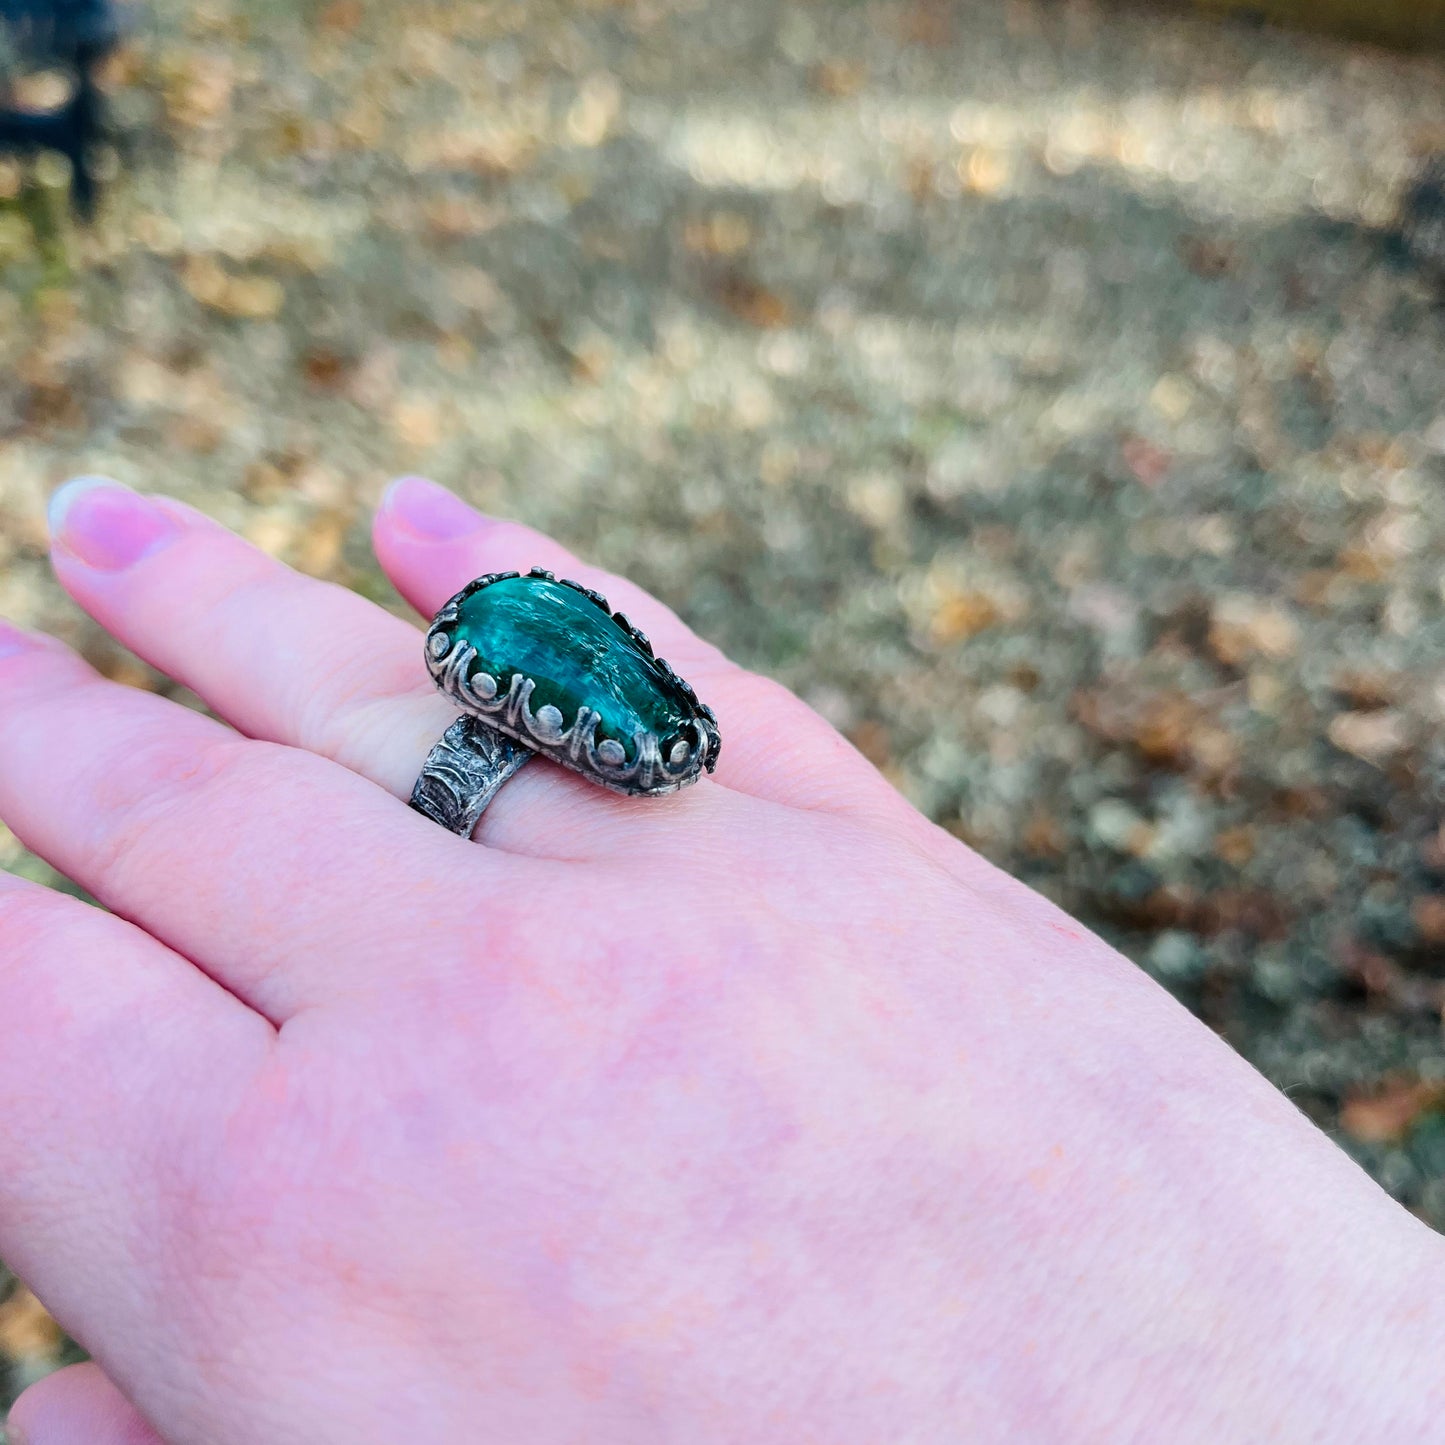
(576, 656)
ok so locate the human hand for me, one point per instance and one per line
(767, 1113)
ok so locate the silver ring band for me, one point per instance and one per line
(464, 772)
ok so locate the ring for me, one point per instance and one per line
(541, 665)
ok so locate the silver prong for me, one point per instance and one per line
(582, 730)
(457, 663)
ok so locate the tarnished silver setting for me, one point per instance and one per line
(649, 774)
(499, 731)
(464, 772)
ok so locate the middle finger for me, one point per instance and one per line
(263, 864)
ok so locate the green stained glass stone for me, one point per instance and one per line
(576, 656)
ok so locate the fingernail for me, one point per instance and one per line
(13, 640)
(107, 526)
(429, 511)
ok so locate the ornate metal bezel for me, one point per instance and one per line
(449, 660)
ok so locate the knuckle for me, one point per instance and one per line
(343, 706)
(168, 787)
(165, 769)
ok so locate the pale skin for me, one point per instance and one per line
(767, 1114)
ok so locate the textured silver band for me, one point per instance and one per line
(463, 772)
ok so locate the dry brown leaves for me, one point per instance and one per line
(1243, 629)
(1373, 737)
(1386, 1113)
(26, 1330)
(1169, 729)
(752, 302)
(248, 298)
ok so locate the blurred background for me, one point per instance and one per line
(1052, 393)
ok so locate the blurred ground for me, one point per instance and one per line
(1040, 392)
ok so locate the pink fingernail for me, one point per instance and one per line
(13, 640)
(106, 525)
(429, 511)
